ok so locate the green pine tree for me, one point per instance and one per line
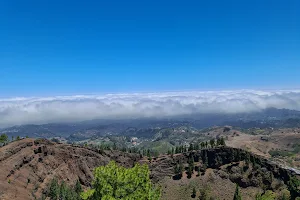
(177, 150)
(222, 141)
(3, 138)
(237, 194)
(191, 147)
(63, 190)
(116, 182)
(212, 143)
(77, 187)
(205, 159)
(54, 189)
(199, 172)
(194, 192)
(294, 187)
(189, 172)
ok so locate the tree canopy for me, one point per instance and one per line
(116, 182)
(63, 191)
(294, 187)
(3, 138)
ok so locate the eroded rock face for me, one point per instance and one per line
(27, 166)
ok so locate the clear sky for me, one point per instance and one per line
(64, 47)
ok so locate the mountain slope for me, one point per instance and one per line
(28, 165)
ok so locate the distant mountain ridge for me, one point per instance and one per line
(270, 117)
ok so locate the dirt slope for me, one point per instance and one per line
(27, 166)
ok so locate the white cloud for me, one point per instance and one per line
(84, 107)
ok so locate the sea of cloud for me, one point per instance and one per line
(17, 111)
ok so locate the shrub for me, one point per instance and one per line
(278, 153)
(268, 195)
(204, 193)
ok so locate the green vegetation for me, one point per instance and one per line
(3, 138)
(296, 148)
(284, 195)
(77, 187)
(116, 182)
(158, 146)
(282, 153)
(64, 192)
(236, 155)
(221, 142)
(191, 167)
(198, 146)
(205, 160)
(204, 193)
(178, 170)
(237, 194)
(277, 153)
(294, 187)
(198, 171)
(194, 192)
(268, 195)
(212, 143)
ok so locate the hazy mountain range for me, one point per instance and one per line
(271, 117)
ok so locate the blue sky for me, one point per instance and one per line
(80, 47)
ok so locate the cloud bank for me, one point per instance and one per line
(17, 111)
